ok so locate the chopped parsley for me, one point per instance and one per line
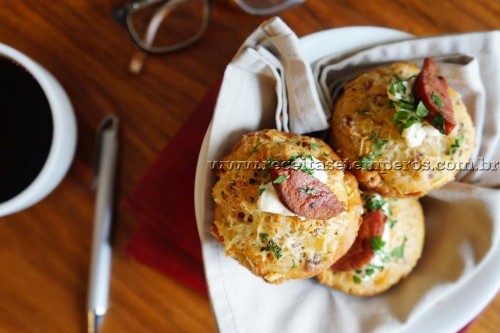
(308, 191)
(260, 190)
(293, 158)
(456, 145)
(377, 243)
(437, 100)
(401, 88)
(356, 279)
(367, 161)
(280, 179)
(302, 166)
(326, 154)
(369, 271)
(271, 246)
(392, 223)
(421, 110)
(315, 145)
(377, 147)
(374, 204)
(254, 149)
(407, 113)
(269, 163)
(438, 123)
(399, 251)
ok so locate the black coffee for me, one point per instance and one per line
(25, 129)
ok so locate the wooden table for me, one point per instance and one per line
(44, 251)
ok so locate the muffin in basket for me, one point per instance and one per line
(387, 248)
(283, 209)
(403, 130)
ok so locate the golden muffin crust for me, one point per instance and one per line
(403, 247)
(362, 127)
(278, 247)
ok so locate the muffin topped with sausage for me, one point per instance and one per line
(283, 209)
(403, 130)
(387, 248)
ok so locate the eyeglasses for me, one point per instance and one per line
(161, 26)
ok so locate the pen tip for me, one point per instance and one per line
(93, 322)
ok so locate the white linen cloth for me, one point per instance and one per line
(269, 81)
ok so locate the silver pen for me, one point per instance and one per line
(100, 260)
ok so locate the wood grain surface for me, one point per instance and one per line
(44, 250)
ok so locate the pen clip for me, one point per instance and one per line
(109, 122)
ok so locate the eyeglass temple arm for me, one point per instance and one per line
(157, 19)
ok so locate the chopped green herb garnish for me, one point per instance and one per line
(252, 181)
(437, 100)
(293, 264)
(254, 149)
(293, 158)
(356, 279)
(369, 271)
(401, 87)
(438, 122)
(374, 204)
(271, 246)
(366, 162)
(260, 190)
(373, 136)
(377, 243)
(305, 169)
(399, 251)
(456, 145)
(381, 268)
(315, 145)
(421, 110)
(326, 154)
(307, 190)
(263, 236)
(377, 147)
(269, 163)
(407, 113)
(392, 223)
(280, 179)
(392, 89)
(404, 105)
(383, 256)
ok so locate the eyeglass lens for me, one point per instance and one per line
(167, 24)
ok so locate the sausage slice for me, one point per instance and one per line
(305, 195)
(432, 90)
(361, 252)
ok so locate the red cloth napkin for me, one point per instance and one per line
(163, 201)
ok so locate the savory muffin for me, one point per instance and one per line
(402, 130)
(282, 208)
(388, 246)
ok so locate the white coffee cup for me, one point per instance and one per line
(63, 144)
